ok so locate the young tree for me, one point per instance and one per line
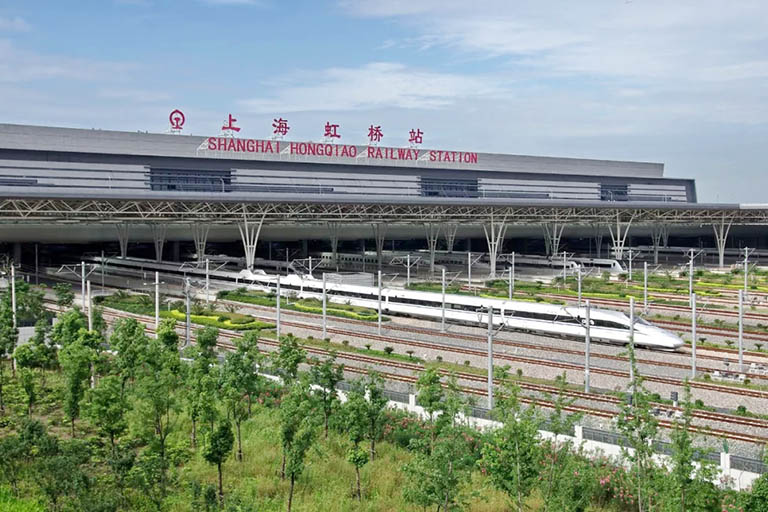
(218, 449)
(689, 484)
(27, 381)
(202, 379)
(295, 409)
(131, 344)
(436, 477)
(167, 334)
(377, 402)
(248, 348)
(288, 358)
(105, 406)
(67, 328)
(234, 383)
(8, 337)
(355, 412)
(556, 495)
(639, 427)
(511, 458)
(65, 297)
(75, 361)
(327, 374)
(157, 382)
(13, 452)
(298, 432)
(430, 397)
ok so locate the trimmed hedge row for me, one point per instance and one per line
(214, 321)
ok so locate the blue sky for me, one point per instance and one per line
(684, 83)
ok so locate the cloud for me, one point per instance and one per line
(24, 66)
(15, 24)
(374, 85)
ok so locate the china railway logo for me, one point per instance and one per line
(177, 120)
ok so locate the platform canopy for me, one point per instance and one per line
(168, 211)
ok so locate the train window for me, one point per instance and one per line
(609, 324)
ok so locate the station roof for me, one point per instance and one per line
(107, 142)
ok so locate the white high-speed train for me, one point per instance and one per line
(566, 321)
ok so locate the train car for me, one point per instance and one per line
(550, 319)
(565, 321)
(602, 264)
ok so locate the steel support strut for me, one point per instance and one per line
(158, 238)
(123, 230)
(552, 233)
(721, 236)
(619, 237)
(494, 235)
(449, 232)
(379, 232)
(333, 231)
(200, 236)
(656, 232)
(249, 233)
(432, 231)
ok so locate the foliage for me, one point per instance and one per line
(65, 297)
(217, 450)
(288, 357)
(326, 375)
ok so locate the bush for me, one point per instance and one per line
(389, 349)
(699, 403)
(343, 342)
(741, 410)
(439, 359)
(466, 362)
(410, 354)
(367, 346)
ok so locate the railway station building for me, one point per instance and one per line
(110, 189)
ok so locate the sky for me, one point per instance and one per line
(684, 83)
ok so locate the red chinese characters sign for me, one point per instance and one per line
(335, 151)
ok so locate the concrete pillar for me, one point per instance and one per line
(176, 250)
(304, 248)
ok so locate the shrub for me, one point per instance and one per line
(466, 362)
(759, 346)
(389, 349)
(410, 354)
(699, 403)
(741, 410)
(729, 343)
(439, 359)
(707, 377)
(367, 346)
(344, 342)
(519, 372)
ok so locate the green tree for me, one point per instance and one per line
(218, 449)
(235, 376)
(75, 360)
(105, 406)
(511, 458)
(248, 348)
(358, 457)
(8, 338)
(295, 409)
(29, 302)
(202, 379)
(639, 427)
(58, 471)
(27, 380)
(690, 483)
(435, 477)
(430, 392)
(65, 297)
(757, 499)
(67, 328)
(298, 432)
(377, 403)
(556, 495)
(326, 375)
(288, 357)
(130, 343)
(167, 334)
(13, 452)
(354, 413)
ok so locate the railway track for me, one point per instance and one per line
(539, 388)
(506, 343)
